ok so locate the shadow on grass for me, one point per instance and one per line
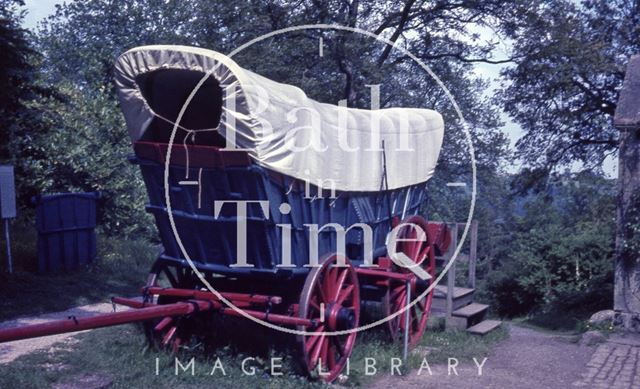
(120, 269)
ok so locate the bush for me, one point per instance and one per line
(78, 143)
(560, 256)
(508, 297)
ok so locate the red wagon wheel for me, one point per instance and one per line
(422, 253)
(169, 333)
(331, 297)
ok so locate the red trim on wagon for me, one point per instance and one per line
(199, 155)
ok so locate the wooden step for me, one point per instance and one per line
(484, 327)
(440, 291)
(470, 310)
(461, 297)
(468, 316)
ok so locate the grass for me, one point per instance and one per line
(552, 323)
(557, 321)
(120, 269)
(121, 355)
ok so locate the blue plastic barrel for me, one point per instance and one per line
(66, 230)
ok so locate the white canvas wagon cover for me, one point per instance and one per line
(279, 126)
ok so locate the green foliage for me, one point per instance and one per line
(561, 253)
(15, 68)
(69, 151)
(73, 138)
(570, 63)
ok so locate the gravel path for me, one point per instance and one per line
(12, 350)
(528, 359)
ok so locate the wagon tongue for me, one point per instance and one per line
(73, 324)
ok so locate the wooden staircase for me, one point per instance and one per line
(455, 304)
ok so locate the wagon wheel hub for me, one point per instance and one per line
(340, 318)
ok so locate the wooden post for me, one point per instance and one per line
(7, 238)
(451, 274)
(473, 248)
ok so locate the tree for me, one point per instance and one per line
(16, 72)
(563, 89)
(82, 40)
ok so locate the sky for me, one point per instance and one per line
(39, 9)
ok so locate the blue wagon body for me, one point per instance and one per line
(211, 241)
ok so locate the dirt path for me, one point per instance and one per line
(12, 350)
(528, 359)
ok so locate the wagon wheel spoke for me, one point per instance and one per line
(328, 282)
(324, 353)
(336, 287)
(420, 252)
(400, 300)
(313, 339)
(167, 337)
(338, 346)
(320, 354)
(402, 319)
(331, 357)
(316, 350)
(344, 294)
(314, 304)
(323, 297)
(175, 345)
(340, 283)
(415, 252)
(398, 290)
(312, 342)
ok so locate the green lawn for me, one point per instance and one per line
(120, 270)
(120, 355)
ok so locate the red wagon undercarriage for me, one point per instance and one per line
(325, 315)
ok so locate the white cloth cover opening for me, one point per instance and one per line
(284, 130)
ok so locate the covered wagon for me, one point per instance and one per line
(276, 207)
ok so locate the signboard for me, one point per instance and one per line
(7, 192)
